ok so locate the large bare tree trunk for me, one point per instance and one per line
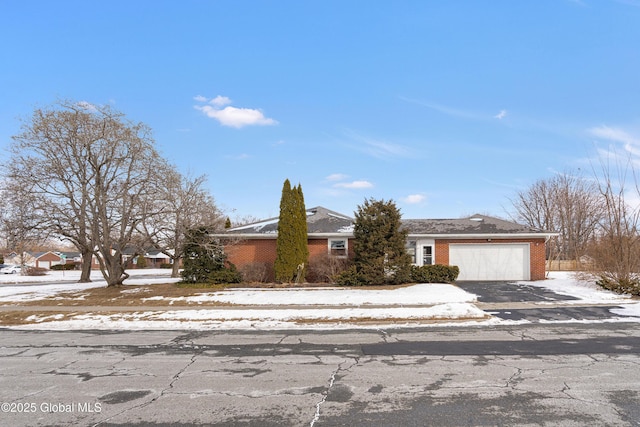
(85, 272)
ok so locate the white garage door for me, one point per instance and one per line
(491, 261)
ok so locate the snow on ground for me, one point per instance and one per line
(28, 288)
(259, 319)
(424, 294)
(401, 307)
(566, 283)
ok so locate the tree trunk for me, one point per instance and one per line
(175, 269)
(87, 260)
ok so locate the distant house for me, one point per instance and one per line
(44, 259)
(47, 259)
(483, 247)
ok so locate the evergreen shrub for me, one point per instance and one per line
(59, 267)
(350, 277)
(226, 275)
(434, 273)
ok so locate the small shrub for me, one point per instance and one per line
(350, 277)
(434, 273)
(65, 267)
(225, 275)
(34, 271)
(166, 265)
(324, 268)
(621, 286)
(141, 262)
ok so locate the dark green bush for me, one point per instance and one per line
(226, 275)
(350, 277)
(434, 273)
(166, 265)
(59, 267)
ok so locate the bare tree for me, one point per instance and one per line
(568, 204)
(616, 249)
(184, 204)
(20, 222)
(95, 174)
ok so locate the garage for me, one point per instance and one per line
(504, 261)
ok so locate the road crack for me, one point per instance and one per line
(172, 383)
(325, 394)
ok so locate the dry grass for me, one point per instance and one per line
(118, 300)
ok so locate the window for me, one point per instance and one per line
(427, 255)
(338, 247)
(411, 250)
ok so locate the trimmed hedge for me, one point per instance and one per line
(63, 267)
(434, 273)
(425, 274)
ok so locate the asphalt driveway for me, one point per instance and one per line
(554, 307)
(498, 292)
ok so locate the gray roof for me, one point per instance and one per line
(319, 221)
(473, 225)
(324, 221)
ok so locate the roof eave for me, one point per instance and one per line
(275, 235)
(483, 235)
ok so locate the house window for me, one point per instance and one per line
(427, 255)
(338, 247)
(411, 250)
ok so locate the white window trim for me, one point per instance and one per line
(420, 244)
(346, 247)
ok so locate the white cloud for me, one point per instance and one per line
(237, 117)
(336, 177)
(354, 185)
(630, 143)
(613, 134)
(379, 149)
(414, 199)
(220, 101)
(501, 115)
(232, 116)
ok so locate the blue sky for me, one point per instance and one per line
(446, 107)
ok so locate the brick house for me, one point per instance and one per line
(484, 247)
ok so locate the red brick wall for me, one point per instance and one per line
(537, 260)
(264, 250)
(250, 251)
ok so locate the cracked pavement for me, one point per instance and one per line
(510, 375)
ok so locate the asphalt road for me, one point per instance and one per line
(565, 375)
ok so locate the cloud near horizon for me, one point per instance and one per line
(232, 116)
(354, 185)
(414, 199)
(336, 177)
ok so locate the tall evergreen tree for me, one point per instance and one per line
(292, 252)
(301, 234)
(380, 254)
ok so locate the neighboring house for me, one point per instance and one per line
(43, 259)
(485, 248)
(46, 259)
(154, 259)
